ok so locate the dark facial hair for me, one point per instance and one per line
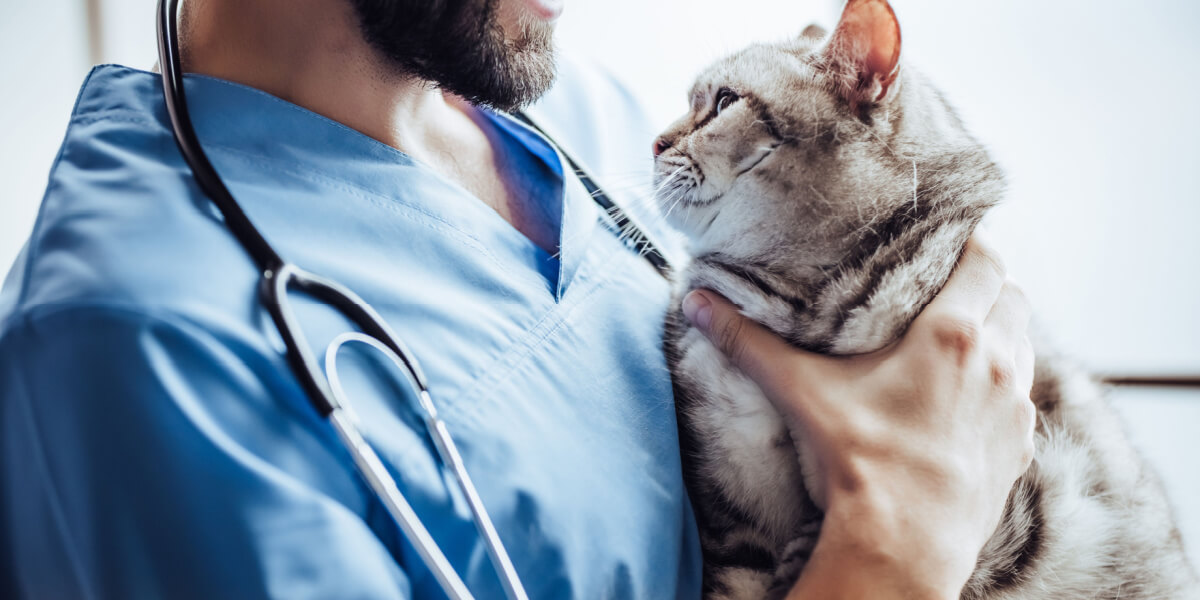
(460, 47)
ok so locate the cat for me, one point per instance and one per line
(828, 190)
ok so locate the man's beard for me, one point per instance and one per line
(459, 46)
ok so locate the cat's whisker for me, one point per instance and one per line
(914, 204)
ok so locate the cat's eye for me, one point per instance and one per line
(725, 97)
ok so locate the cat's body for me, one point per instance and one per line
(829, 194)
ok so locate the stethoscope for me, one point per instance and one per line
(325, 393)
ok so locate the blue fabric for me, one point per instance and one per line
(155, 444)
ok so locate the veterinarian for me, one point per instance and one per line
(156, 443)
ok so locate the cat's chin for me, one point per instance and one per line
(694, 221)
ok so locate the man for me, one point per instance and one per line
(157, 445)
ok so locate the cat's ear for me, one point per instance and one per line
(865, 49)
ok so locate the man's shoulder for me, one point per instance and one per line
(114, 216)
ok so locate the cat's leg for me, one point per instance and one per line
(793, 558)
(736, 583)
(739, 559)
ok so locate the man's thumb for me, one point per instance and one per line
(785, 374)
(752, 348)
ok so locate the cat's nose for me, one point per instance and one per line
(660, 145)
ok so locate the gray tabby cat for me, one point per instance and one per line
(829, 193)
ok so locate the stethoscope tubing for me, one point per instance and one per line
(447, 453)
(278, 277)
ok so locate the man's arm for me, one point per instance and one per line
(145, 458)
(918, 444)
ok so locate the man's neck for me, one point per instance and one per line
(312, 53)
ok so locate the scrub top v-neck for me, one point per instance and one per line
(157, 445)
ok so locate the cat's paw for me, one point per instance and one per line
(793, 558)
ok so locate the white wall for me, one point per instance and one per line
(43, 59)
(1089, 106)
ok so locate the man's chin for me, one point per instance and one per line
(516, 81)
(529, 67)
(463, 47)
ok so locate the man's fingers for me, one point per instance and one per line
(1025, 365)
(1010, 314)
(973, 287)
(752, 348)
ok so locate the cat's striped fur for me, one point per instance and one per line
(831, 203)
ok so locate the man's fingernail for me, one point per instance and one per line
(698, 309)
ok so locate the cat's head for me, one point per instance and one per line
(809, 155)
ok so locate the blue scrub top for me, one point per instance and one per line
(156, 445)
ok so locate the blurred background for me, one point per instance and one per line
(1089, 106)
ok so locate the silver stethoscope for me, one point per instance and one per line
(324, 390)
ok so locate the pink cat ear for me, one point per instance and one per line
(866, 47)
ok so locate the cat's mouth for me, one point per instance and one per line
(677, 184)
(680, 181)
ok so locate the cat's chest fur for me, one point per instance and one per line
(748, 456)
(746, 443)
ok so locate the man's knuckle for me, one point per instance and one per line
(1023, 416)
(1015, 296)
(1003, 373)
(957, 334)
(1029, 414)
(1017, 293)
(1028, 452)
(992, 259)
(954, 471)
(732, 341)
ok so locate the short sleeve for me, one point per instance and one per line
(149, 458)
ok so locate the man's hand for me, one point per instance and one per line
(917, 444)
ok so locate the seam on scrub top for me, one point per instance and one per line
(296, 108)
(51, 185)
(513, 355)
(347, 186)
(52, 495)
(387, 202)
(178, 321)
(376, 144)
(591, 278)
(522, 348)
(269, 163)
(391, 545)
(180, 324)
(119, 115)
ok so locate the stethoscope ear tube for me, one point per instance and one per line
(206, 176)
(278, 277)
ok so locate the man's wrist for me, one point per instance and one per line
(869, 551)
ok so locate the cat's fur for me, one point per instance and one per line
(830, 198)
